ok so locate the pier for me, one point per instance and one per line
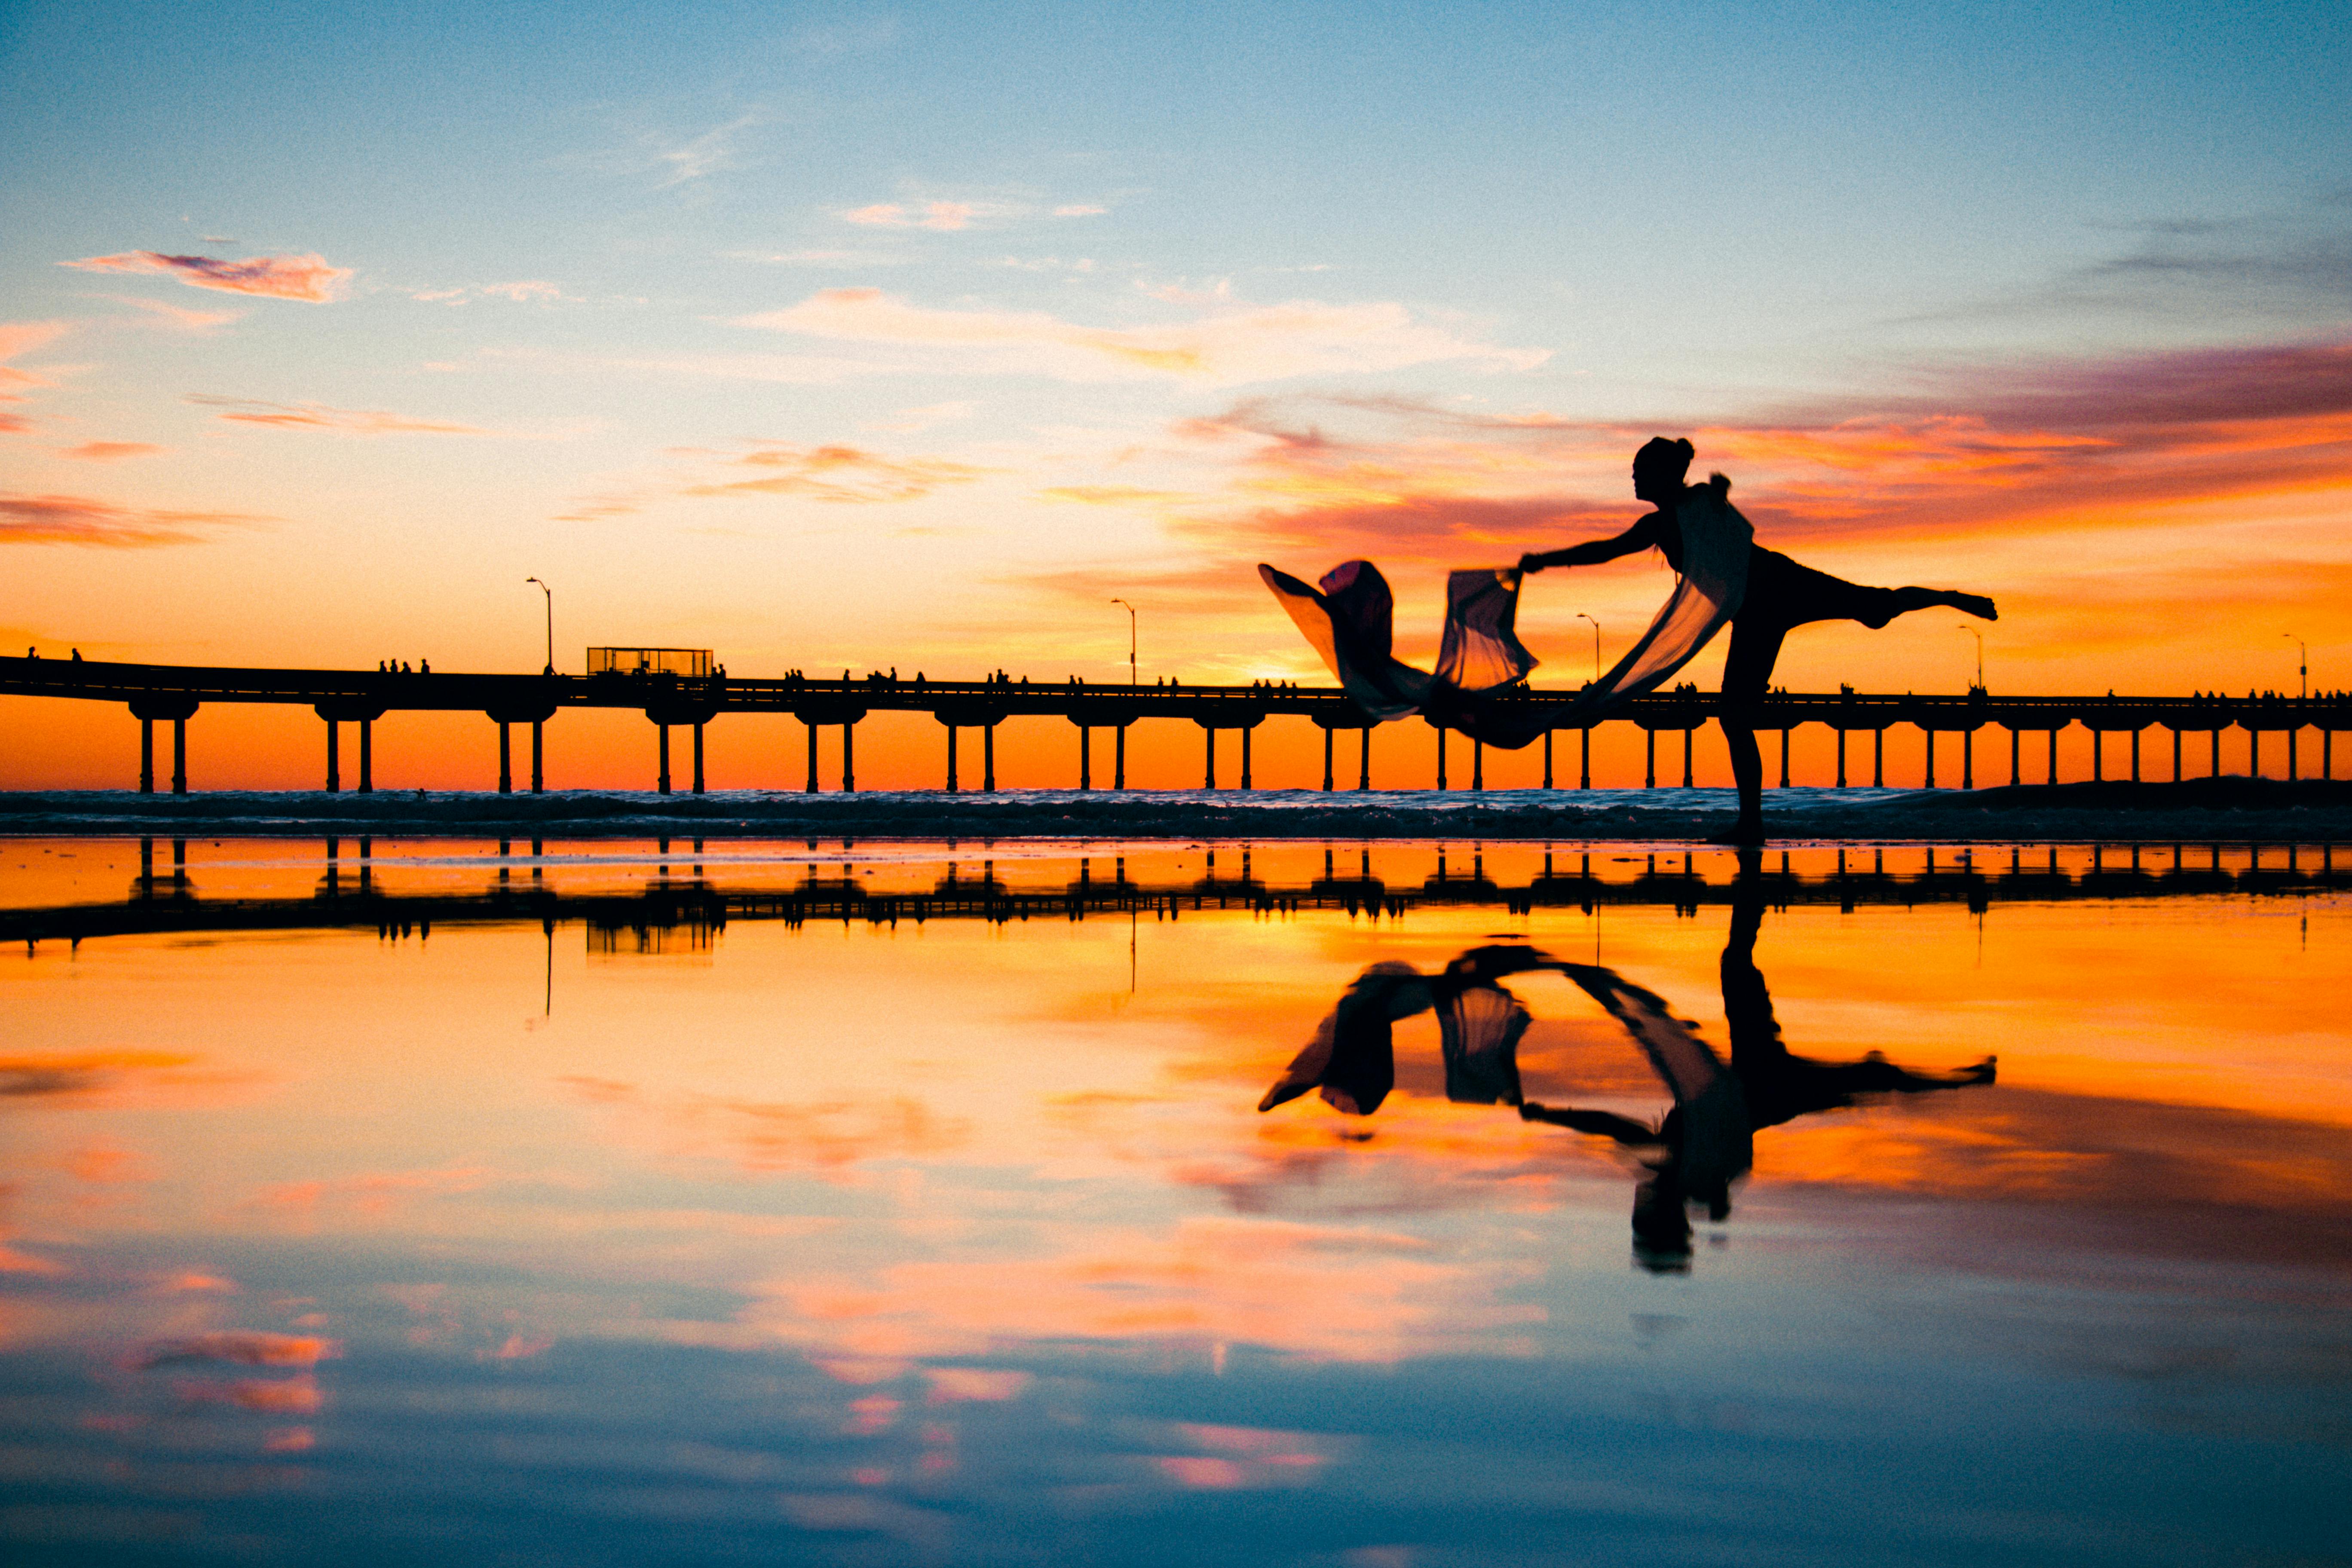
(2119, 726)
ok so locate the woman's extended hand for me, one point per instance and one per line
(1531, 561)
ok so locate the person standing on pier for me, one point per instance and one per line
(1769, 594)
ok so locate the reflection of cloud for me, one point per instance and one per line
(1241, 345)
(79, 520)
(1378, 1296)
(823, 1137)
(306, 278)
(240, 1348)
(77, 1072)
(274, 1396)
(318, 416)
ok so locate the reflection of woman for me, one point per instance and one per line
(1774, 1087)
(1704, 1145)
(1778, 594)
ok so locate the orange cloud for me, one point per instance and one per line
(111, 451)
(318, 416)
(202, 324)
(79, 520)
(307, 277)
(839, 474)
(284, 1396)
(1230, 345)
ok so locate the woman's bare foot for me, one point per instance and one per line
(1976, 604)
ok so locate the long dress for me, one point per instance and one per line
(1349, 615)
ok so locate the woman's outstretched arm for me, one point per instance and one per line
(1641, 536)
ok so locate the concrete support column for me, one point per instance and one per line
(1326, 762)
(2292, 736)
(1364, 760)
(2012, 759)
(1208, 767)
(2254, 753)
(1967, 758)
(952, 759)
(1085, 757)
(147, 759)
(1688, 777)
(1245, 768)
(1477, 764)
(2135, 756)
(1118, 759)
(1784, 757)
(698, 756)
(1441, 759)
(367, 756)
(2215, 737)
(1878, 759)
(814, 785)
(1649, 759)
(2053, 756)
(1547, 784)
(2098, 756)
(506, 761)
(1584, 758)
(1841, 749)
(2328, 753)
(2175, 756)
(988, 758)
(179, 758)
(538, 758)
(661, 782)
(849, 756)
(334, 756)
(1931, 760)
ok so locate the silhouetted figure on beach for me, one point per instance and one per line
(1780, 596)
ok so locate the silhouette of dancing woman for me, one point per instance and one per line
(1780, 595)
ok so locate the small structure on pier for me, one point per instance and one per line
(686, 663)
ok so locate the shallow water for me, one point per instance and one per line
(886, 1203)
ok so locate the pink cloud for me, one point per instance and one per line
(1079, 210)
(202, 324)
(940, 216)
(23, 338)
(306, 278)
(837, 474)
(318, 416)
(79, 520)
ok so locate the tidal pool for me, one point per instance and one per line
(911, 1203)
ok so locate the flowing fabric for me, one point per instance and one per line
(1350, 618)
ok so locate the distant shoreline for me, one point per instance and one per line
(2228, 808)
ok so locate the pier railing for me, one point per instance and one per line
(173, 693)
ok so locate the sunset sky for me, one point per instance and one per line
(837, 338)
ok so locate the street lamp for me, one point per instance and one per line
(2302, 674)
(550, 624)
(1596, 644)
(1979, 636)
(1131, 680)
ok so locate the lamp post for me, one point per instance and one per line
(1979, 636)
(1131, 680)
(2302, 673)
(550, 624)
(1596, 643)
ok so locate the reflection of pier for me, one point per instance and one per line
(685, 915)
(670, 699)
